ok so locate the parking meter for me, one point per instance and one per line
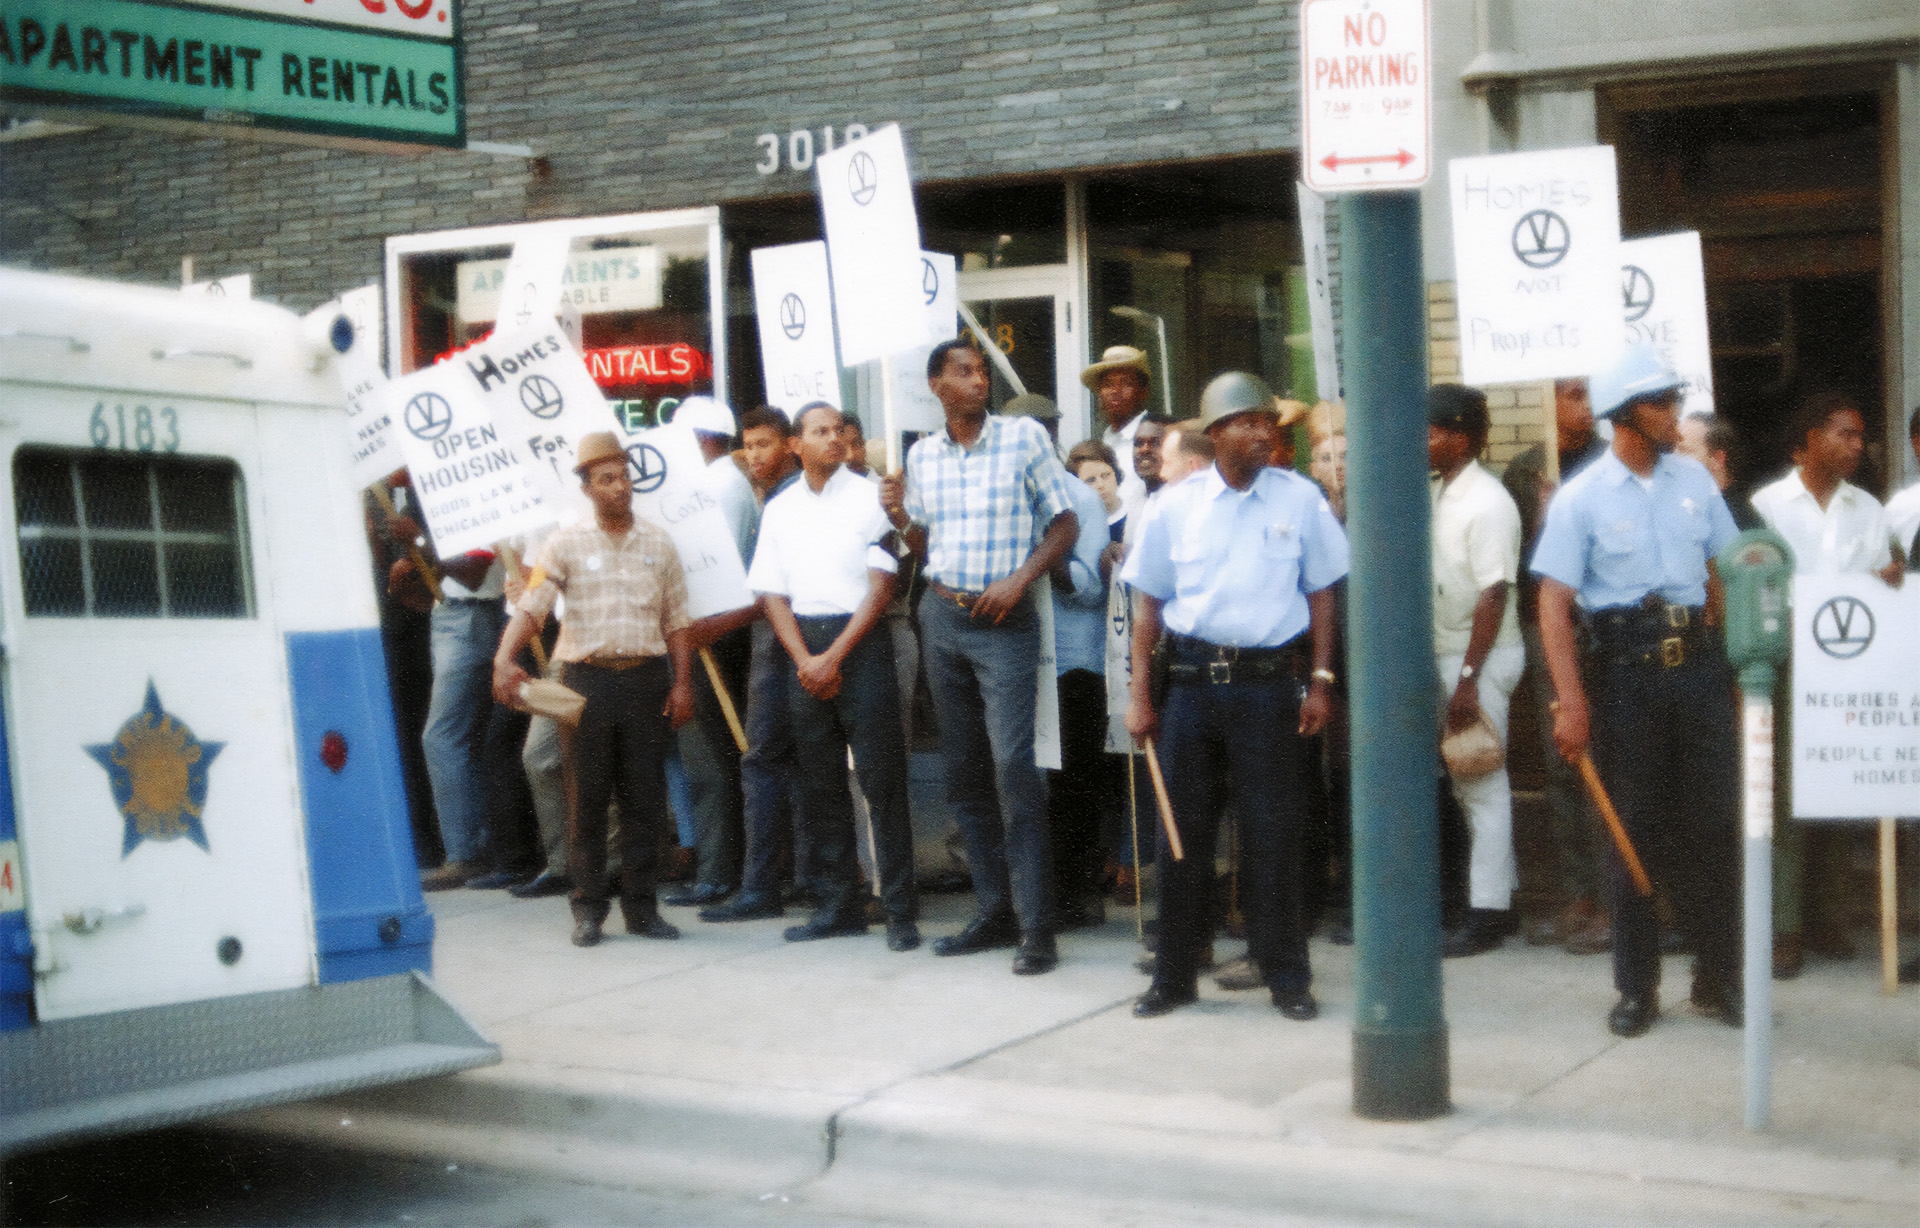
(1757, 570)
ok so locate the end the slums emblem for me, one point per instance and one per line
(157, 770)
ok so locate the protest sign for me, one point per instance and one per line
(915, 408)
(793, 306)
(1856, 698)
(530, 288)
(1119, 661)
(1046, 698)
(350, 327)
(665, 466)
(474, 484)
(873, 246)
(1663, 291)
(1536, 240)
(1313, 245)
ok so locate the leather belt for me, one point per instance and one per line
(958, 597)
(1654, 634)
(1196, 660)
(617, 664)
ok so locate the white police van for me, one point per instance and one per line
(208, 894)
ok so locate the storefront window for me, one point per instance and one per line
(640, 283)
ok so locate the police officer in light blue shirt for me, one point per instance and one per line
(1625, 561)
(1237, 564)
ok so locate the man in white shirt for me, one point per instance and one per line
(1121, 381)
(825, 578)
(1476, 642)
(1903, 509)
(1834, 528)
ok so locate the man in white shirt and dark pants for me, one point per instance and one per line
(1834, 528)
(1476, 642)
(826, 579)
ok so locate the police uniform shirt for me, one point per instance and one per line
(1614, 537)
(1233, 567)
(816, 549)
(1848, 535)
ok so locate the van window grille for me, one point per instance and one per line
(104, 535)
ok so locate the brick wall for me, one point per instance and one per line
(1518, 410)
(642, 106)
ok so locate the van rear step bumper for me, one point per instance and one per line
(162, 1065)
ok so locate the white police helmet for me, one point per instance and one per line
(1639, 373)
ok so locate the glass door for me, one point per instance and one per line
(1029, 321)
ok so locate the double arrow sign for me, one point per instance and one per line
(1334, 161)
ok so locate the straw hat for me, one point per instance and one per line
(597, 447)
(1116, 358)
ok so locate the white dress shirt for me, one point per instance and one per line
(1121, 441)
(1476, 544)
(816, 549)
(1848, 535)
(1903, 518)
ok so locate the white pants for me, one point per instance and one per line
(1488, 799)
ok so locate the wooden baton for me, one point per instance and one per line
(726, 700)
(513, 565)
(1166, 807)
(1591, 775)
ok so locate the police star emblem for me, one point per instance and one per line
(157, 771)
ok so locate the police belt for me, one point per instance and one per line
(1654, 634)
(1193, 660)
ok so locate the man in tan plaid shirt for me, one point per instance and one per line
(626, 614)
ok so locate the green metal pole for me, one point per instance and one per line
(1400, 1067)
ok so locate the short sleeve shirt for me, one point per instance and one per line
(1234, 567)
(625, 595)
(984, 506)
(816, 549)
(1614, 539)
(1848, 535)
(1476, 544)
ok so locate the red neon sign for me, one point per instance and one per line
(673, 363)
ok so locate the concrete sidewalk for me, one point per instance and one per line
(837, 1073)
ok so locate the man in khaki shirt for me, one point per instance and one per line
(626, 613)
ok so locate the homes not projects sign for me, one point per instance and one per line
(380, 70)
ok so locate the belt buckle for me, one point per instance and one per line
(1219, 672)
(1678, 616)
(1672, 651)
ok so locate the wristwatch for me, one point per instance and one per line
(1466, 673)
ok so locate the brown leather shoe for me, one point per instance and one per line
(1594, 938)
(1553, 930)
(1789, 956)
(453, 874)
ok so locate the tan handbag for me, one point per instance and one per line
(545, 697)
(1473, 751)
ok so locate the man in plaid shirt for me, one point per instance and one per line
(985, 502)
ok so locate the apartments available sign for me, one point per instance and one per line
(386, 72)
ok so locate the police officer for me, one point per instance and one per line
(1627, 553)
(1237, 565)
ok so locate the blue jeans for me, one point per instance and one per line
(982, 678)
(465, 633)
(769, 780)
(1239, 741)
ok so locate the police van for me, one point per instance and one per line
(208, 893)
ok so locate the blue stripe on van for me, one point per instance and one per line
(16, 943)
(369, 916)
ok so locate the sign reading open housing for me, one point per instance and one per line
(245, 62)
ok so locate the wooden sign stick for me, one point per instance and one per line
(726, 700)
(1133, 817)
(512, 561)
(1166, 807)
(1889, 914)
(384, 498)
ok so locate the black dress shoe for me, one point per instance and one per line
(1484, 931)
(496, 880)
(747, 906)
(586, 932)
(1158, 1001)
(902, 934)
(1714, 999)
(981, 934)
(698, 894)
(1296, 1004)
(544, 883)
(822, 925)
(1633, 1014)
(1036, 955)
(653, 926)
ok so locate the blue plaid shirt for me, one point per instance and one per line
(986, 506)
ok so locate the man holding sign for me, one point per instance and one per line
(626, 613)
(972, 502)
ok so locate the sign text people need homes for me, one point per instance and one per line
(331, 66)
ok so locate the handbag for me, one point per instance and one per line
(1473, 751)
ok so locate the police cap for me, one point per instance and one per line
(1456, 407)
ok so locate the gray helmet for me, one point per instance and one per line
(1031, 405)
(1236, 392)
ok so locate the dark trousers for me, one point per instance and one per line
(1234, 741)
(1667, 745)
(775, 809)
(865, 715)
(513, 839)
(982, 679)
(712, 760)
(618, 752)
(1074, 792)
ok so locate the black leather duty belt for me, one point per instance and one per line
(1653, 634)
(1195, 660)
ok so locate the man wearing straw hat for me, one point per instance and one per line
(1628, 549)
(626, 614)
(1121, 381)
(1237, 564)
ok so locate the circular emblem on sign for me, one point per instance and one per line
(646, 467)
(340, 336)
(526, 305)
(1843, 627)
(863, 177)
(1636, 291)
(540, 396)
(929, 280)
(428, 416)
(793, 317)
(1541, 239)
